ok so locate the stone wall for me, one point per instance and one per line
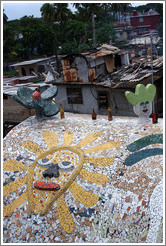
(14, 112)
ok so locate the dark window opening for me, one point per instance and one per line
(5, 96)
(103, 99)
(23, 71)
(31, 70)
(118, 61)
(74, 95)
(41, 68)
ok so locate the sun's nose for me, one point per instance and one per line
(52, 171)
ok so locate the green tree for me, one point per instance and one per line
(5, 18)
(56, 12)
(37, 35)
(105, 33)
(106, 7)
(75, 29)
(57, 15)
(36, 41)
(89, 9)
(48, 12)
(62, 13)
(8, 42)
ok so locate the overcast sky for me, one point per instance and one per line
(16, 10)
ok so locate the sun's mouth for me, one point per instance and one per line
(50, 186)
(145, 110)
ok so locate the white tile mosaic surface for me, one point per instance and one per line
(129, 208)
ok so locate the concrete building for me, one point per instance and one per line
(108, 90)
(37, 66)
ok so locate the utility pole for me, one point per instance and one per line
(152, 72)
(94, 31)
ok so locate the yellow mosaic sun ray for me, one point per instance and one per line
(65, 218)
(11, 207)
(13, 165)
(90, 138)
(96, 178)
(87, 198)
(33, 147)
(103, 147)
(30, 188)
(68, 138)
(101, 161)
(50, 138)
(8, 188)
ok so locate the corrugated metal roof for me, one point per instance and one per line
(29, 62)
(104, 50)
(12, 90)
(128, 77)
(143, 40)
(132, 75)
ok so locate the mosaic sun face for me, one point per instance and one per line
(54, 172)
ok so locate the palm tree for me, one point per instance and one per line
(62, 13)
(57, 14)
(48, 12)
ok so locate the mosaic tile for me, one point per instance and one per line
(145, 141)
(138, 156)
(104, 201)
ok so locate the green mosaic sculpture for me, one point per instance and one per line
(142, 99)
(142, 94)
(40, 102)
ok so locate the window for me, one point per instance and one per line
(5, 96)
(23, 71)
(31, 70)
(141, 19)
(103, 99)
(74, 95)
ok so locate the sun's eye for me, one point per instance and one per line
(65, 165)
(44, 162)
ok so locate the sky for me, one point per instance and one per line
(16, 10)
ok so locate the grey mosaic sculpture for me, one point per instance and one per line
(40, 102)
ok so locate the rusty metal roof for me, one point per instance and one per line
(104, 50)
